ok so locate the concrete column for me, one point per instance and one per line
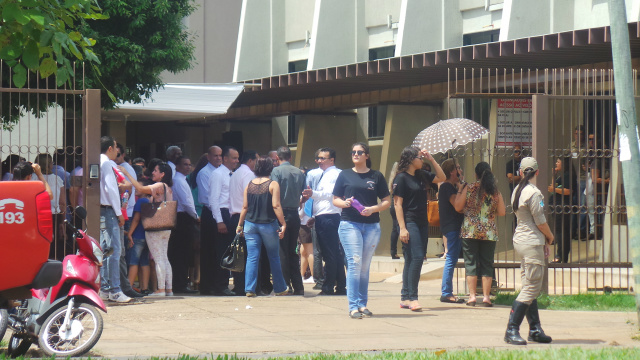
(338, 36)
(279, 132)
(442, 30)
(261, 50)
(334, 131)
(525, 18)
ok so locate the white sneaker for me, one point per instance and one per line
(104, 295)
(308, 281)
(119, 297)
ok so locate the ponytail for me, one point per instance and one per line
(529, 173)
(486, 178)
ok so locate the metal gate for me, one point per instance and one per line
(58, 128)
(566, 119)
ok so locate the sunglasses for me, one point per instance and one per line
(319, 158)
(119, 154)
(357, 152)
(517, 151)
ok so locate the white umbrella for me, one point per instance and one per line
(448, 134)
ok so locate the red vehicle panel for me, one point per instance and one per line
(26, 228)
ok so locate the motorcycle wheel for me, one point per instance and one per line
(4, 322)
(18, 346)
(86, 329)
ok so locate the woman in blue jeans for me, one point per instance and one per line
(410, 202)
(357, 191)
(260, 210)
(450, 224)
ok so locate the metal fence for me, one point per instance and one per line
(565, 118)
(49, 125)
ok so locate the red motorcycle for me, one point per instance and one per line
(63, 319)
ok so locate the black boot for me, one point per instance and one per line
(512, 335)
(535, 330)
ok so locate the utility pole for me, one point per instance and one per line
(627, 130)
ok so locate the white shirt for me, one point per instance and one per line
(132, 194)
(323, 193)
(313, 176)
(203, 184)
(239, 181)
(219, 191)
(109, 194)
(182, 194)
(173, 169)
(57, 187)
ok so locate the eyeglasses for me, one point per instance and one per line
(119, 154)
(517, 151)
(357, 152)
(319, 158)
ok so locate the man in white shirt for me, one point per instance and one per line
(208, 228)
(111, 220)
(219, 205)
(173, 153)
(313, 176)
(181, 239)
(237, 184)
(327, 218)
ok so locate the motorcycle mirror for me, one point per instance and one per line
(81, 212)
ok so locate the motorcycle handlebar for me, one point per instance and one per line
(71, 227)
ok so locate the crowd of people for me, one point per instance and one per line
(319, 226)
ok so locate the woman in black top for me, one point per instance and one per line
(561, 201)
(357, 191)
(260, 210)
(410, 202)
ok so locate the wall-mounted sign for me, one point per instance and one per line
(514, 122)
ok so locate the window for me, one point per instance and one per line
(376, 122)
(481, 37)
(292, 130)
(382, 52)
(297, 66)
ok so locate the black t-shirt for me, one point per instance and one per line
(450, 219)
(512, 168)
(412, 190)
(565, 181)
(366, 188)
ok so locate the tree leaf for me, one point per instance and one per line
(48, 67)
(19, 75)
(10, 52)
(9, 12)
(45, 37)
(31, 55)
(62, 76)
(36, 16)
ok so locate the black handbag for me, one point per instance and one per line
(235, 257)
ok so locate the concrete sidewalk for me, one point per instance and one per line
(269, 326)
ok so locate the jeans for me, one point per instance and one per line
(138, 255)
(110, 237)
(359, 241)
(318, 271)
(255, 236)
(327, 231)
(395, 234)
(414, 252)
(454, 244)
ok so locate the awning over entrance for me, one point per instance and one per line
(179, 102)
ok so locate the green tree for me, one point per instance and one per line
(140, 40)
(127, 44)
(41, 36)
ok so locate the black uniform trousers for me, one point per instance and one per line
(289, 260)
(180, 244)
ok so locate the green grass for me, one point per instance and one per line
(588, 302)
(543, 354)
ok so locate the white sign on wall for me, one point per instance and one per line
(514, 123)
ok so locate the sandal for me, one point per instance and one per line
(404, 306)
(471, 303)
(485, 304)
(416, 308)
(455, 300)
(556, 260)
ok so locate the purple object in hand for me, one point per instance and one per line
(356, 205)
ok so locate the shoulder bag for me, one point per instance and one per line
(161, 215)
(235, 257)
(433, 213)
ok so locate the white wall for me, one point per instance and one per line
(31, 135)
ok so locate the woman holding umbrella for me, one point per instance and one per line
(410, 202)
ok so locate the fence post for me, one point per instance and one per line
(540, 151)
(91, 123)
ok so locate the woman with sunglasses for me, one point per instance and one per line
(410, 202)
(357, 191)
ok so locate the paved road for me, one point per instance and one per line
(292, 325)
